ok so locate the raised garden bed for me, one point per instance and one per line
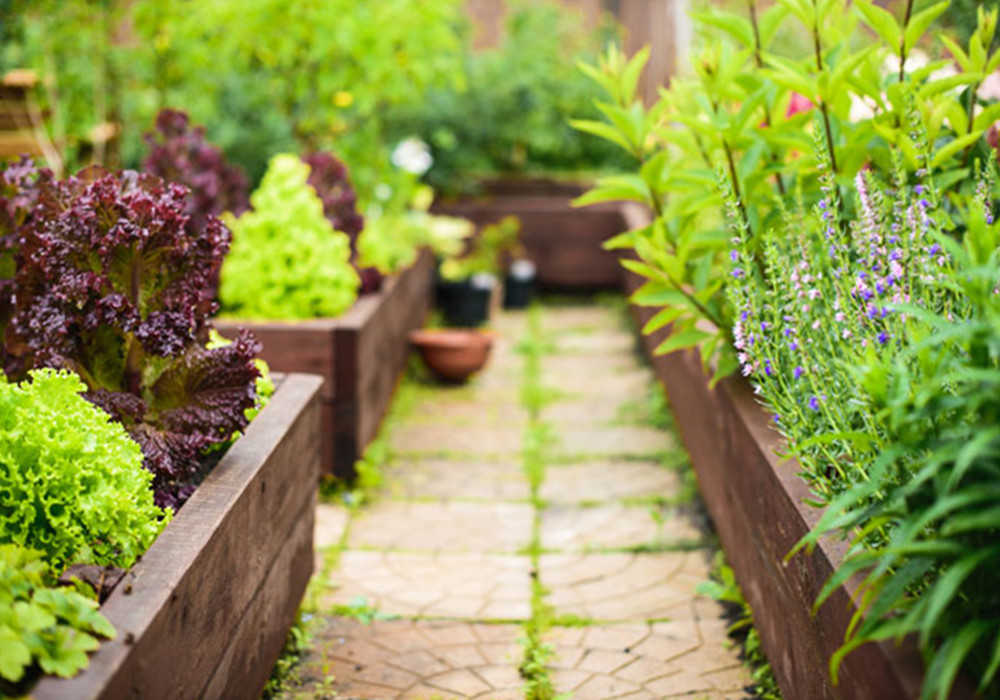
(205, 612)
(564, 242)
(758, 504)
(359, 355)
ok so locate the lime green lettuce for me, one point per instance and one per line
(286, 261)
(50, 629)
(72, 484)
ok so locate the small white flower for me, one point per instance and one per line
(413, 156)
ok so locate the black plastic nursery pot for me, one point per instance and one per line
(465, 303)
(519, 285)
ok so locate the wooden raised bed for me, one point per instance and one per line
(564, 242)
(758, 505)
(360, 356)
(205, 612)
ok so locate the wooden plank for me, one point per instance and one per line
(261, 633)
(182, 603)
(372, 351)
(293, 346)
(564, 242)
(360, 356)
(19, 143)
(758, 505)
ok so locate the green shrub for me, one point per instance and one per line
(510, 113)
(41, 627)
(72, 484)
(286, 260)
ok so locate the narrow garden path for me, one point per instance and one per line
(531, 536)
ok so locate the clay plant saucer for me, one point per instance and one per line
(453, 354)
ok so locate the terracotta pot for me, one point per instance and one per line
(453, 354)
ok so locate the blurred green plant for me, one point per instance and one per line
(509, 112)
(751, 123)
(263, 77)
(286, 260)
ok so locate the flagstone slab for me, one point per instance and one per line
(595, 442)
(443, 526)
(607, 481)
(413, 660)
(470, 586)
(616, 526)
(486, 480)
(622, 586)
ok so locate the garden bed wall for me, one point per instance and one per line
(360, 356)
(758, 505)
(205, 612)
(564, 242)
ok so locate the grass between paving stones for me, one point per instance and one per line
(538, 438)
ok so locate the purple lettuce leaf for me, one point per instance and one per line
(114, 284)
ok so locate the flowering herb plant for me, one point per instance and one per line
(749, 112)
(867, 323)
(112, 284)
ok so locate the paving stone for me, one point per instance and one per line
(413, 659)
(609, 441)
(583, 412)
(477, 480)
(474, 586)
(570, 528)
(443, 526)
(561, 366)
(622, 586)
(462, 412)
(649, 660)
(581, 319)
(608, 481)
(605, 342)
(456, 441)
(331, 521)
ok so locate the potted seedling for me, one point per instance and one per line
(469, 283)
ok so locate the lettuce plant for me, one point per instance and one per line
(113, 285)
(20, 183)
(287, 261)
(329, 177)
(72, 484)
(42, 628)
(179, 153)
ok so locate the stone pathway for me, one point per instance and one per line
(433, 581)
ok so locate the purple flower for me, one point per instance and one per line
(883, 338)
(798, 372)
(934, 249)
(814, 403)
(737, 272)
(919, 189)
(734, 255)
(767, 367)
(777, 417)
(793, 346)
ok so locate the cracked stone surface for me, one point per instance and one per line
(437, 562)
(417, 660)
(615, 526)
(443, 527)
(471, 586)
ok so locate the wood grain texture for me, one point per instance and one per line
(360, 356)
(758, 505)
(564, 242)
(372, 348)
(180, 609)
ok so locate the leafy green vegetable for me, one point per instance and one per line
(43, 628)
(72, 484)
(286, 261)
